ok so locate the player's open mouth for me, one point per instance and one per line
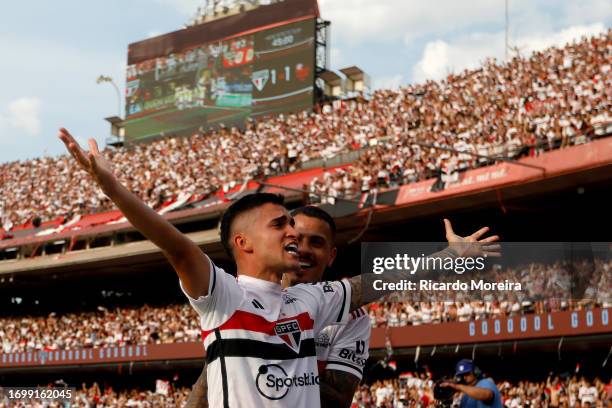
(292, 249)
(306, 264)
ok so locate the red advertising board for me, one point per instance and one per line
(551, 164)
(531, 326)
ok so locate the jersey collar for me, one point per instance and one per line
(259, 283)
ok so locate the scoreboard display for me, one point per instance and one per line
(261, 72)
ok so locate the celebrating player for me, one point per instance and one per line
(259, 338)
(342, 350)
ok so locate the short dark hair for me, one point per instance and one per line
(240, 206)
(317, 212)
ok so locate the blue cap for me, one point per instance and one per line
(463, 367)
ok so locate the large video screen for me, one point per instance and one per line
(222, 82)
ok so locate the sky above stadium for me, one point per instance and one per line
(53, 51)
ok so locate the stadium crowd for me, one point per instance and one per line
(408, 390)
(417, 391)
(179, 323)
(552, 99)
(102, 328)
(545, 288)
(96, 396)
(555, 98)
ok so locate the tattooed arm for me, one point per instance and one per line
(337, 388)
(362, 288)
(198, 397)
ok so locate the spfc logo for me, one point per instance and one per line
(290, 333)
(260, 79)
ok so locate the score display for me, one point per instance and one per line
(227, 81)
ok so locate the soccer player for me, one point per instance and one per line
(259, 337)
(342, 350)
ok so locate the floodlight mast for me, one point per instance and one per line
(105, 78)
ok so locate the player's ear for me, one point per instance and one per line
(243, 243)
(332, 257)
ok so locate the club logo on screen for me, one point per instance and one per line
(290, 333)
(260, 79)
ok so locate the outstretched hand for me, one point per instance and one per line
(93, 162)
(472, 245)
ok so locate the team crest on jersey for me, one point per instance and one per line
(290, 333)
(323, 340)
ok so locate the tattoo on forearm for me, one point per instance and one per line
(337, 388)
(362, 286)
(356, 292)
(198, 397)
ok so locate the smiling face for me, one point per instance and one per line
(263, 239)
(316, 249)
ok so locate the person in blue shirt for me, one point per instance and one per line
(478, 391)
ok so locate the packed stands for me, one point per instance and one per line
(555, 391)
(402, 313)
(179, 323)
(553, 99)
(100, 396)
(547, 283)
(102, 328)
(406, 390)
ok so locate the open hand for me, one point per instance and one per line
(472, 245)
(93, 162)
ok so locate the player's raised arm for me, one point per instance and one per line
(362, 291)
(189, 262)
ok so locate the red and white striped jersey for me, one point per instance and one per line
(259, 339)
(345, 347)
